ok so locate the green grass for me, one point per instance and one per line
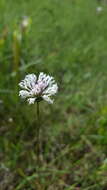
(67, 39)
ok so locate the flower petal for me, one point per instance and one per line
(51, 90)
(46, 79)
(41, 77)
(48, 99)
(24, 94)
(31, 100)
(29, 82)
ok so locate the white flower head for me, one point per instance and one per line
(26, 21)
(38, 89)
(99, 9)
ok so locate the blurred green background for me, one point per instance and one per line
(68, 40)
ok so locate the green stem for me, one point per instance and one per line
(38, 135)
(38, 111)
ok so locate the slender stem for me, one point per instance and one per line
(38, 145)
(38, 111)
(38, 135)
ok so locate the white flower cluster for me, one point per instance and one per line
(99, 9)
(37, 89)
(25, 22)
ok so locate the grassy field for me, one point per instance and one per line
(66, 39)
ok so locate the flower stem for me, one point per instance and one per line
(38, 135)
(38, 111)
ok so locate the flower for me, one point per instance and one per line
(25, 23)
(99, 9)
(37, 89)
